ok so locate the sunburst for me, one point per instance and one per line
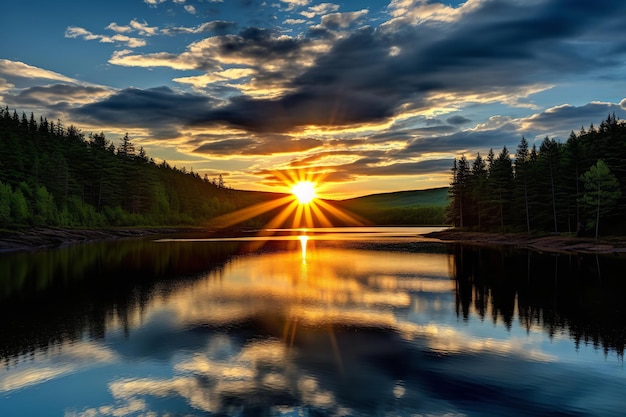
(304, 191)
(302, 208)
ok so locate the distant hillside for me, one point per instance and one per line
(417, 207)
(400, 199)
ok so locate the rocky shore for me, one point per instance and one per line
(42, 238)
(551, 243)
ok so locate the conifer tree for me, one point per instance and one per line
(522, 160)
(601, 190)
(478, 187)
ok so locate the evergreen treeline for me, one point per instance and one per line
(52, 175)
(576, 187)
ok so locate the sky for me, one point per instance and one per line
(366, 96)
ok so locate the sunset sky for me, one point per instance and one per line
(374, 96)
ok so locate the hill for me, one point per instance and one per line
(416, 207)
(437, 197)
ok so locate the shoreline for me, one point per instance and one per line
(552, 243)
(41, 238)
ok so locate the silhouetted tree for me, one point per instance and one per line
(601, 190)
(522, 161)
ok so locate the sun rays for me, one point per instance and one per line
(303, 208)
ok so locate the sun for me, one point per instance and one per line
(299, 206)
(304, 191)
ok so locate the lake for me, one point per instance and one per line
(337, 322)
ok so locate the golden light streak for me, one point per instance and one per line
(247, 213)
(301, 209)
(303, 241)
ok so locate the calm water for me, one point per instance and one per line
(338, 322)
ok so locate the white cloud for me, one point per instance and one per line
(416, 11)
(20, 69)
(117, 28)
(161, 59)
(78, 32)
(143, 28)
(190, 9)
(5, 85)
(320, 9)
(153, 3)
(294, 21)
(295, 3)
(201, 81)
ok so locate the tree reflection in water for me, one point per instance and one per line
(582, 295)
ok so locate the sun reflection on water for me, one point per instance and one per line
(303, 242)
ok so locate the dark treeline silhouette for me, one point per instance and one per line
(53, 175)
(577, 187)
(578, 294)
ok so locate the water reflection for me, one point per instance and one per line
(307, 326)
(581, 296)
(303, 241)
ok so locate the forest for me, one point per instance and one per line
(577, 187)
(53, 175)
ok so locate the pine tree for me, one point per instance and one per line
(459, 190)
(601, 190)
(478, 185)
(522, 159)
(500, 182)
(126, 148)
(549, 154)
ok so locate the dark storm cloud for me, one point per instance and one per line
(260, 44)
(370, 155)
(319, 106)
(457, 120)
(566, 118)
(336, 21)
(153, 108)
(318, 32)
(470, 141)
(401, 168)
(266, 146)
(368, 75)
(371, 163)
(54, 94)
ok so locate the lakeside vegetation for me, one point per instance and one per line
(577, 187)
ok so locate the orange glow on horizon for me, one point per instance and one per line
(303, 208)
